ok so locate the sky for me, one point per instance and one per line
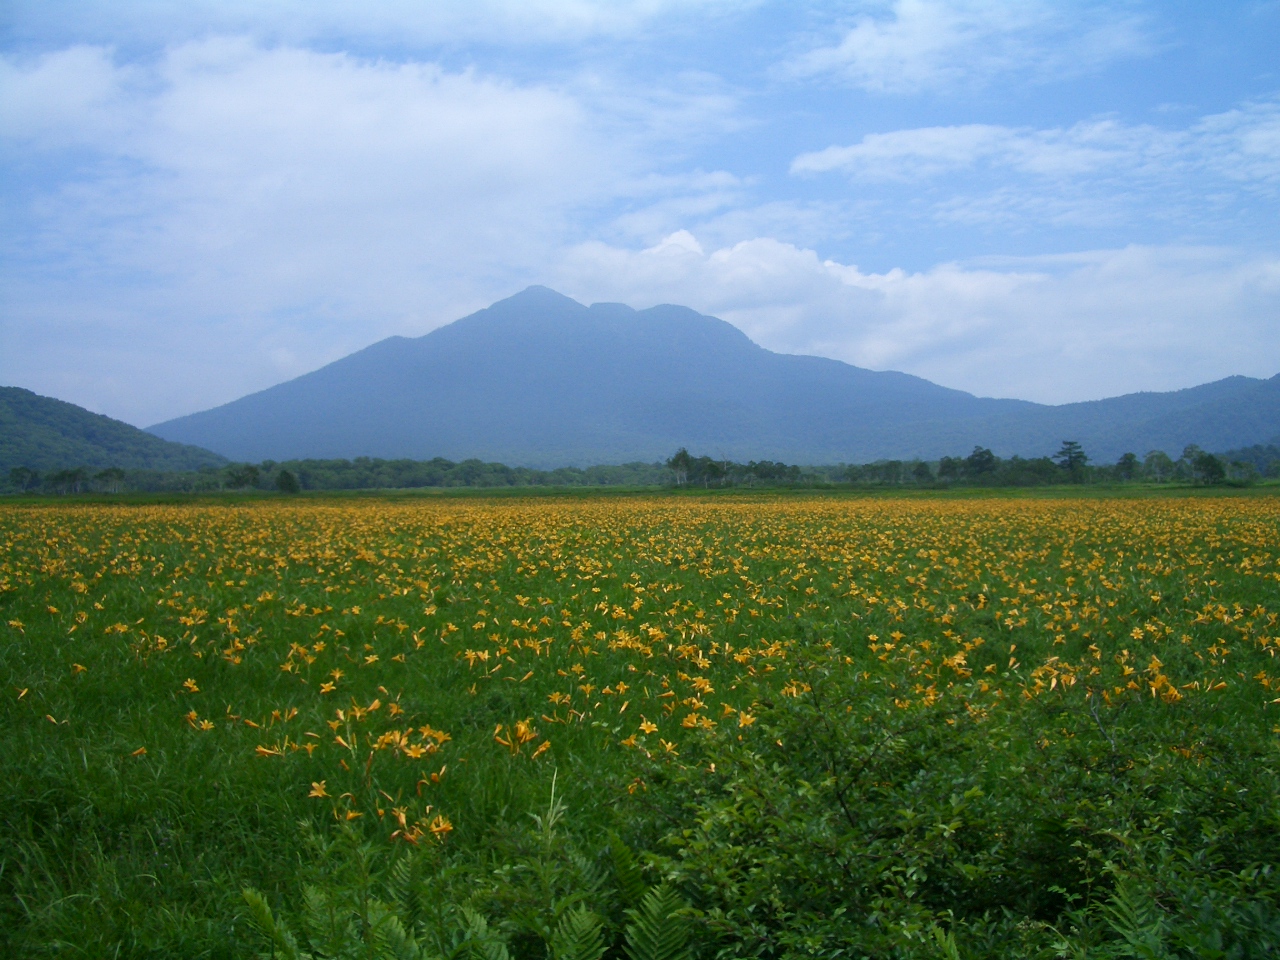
(1054, 201)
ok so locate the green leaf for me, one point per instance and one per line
(276, 931)
(627, 870)
(658, 930)
(579, 936)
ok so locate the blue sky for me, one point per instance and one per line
(1047, 200)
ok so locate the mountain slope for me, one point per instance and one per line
(42, 433)
(1233, 412)
(541, 380)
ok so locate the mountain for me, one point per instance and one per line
(46, 434)
(541, 380)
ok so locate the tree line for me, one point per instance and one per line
(981, 467)
(361, 473)
(1071, 464)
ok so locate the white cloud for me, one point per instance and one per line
(1243, 144)
(68, 98)
(211, 199)
(1052, 329)
(281, 207)
(256, 196)
(910, 46)
(1097, 173)
(396, 22)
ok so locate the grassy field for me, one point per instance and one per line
(753, 725)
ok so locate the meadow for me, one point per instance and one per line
(773, 725)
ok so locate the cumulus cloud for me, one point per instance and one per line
(204, 199)
(911, 46)
(68, 98)
(1052, 329)
(283, 206)
(241, 191)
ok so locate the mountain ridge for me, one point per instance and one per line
(44, 433)
(541, 380)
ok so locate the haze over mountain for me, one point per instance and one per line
(541, 380)
(42, 433)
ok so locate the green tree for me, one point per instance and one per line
(286, 482)
(242, 475)
(1242, 471)
(1127, 467)
(950, 468)
(111, 478)
(680, 464)
(1072, 459)
(67, 481)
(1206, 468)
(1157, 466)
(24, 478)
(980, 463)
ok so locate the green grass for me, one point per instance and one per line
(846, 786)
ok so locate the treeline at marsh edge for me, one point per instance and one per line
(980, 468)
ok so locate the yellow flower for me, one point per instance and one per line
(317, 789)
(440, 826)
(190, 685)
(647, 727)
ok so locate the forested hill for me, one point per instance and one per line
(539, 380)
(41, 433)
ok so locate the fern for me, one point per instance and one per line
(329, 924)
(947, 943)
(579, 936)
(404, 888)
(589, 874)
(627, 871)
(475, 941)
(276, 931)
(1138, 920)
(387, 936)
(658, 930)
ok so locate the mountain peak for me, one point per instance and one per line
(538, 379)
(540, 295)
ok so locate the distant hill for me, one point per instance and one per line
(46, 434)
(540, 380)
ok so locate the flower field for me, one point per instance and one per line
(815, 725)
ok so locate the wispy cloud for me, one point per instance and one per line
(281, 206)
(913, 46)
(202, 199)
(284, 206)
(394, 22)
(1053, 329)
(1092, 174)
(1243, 144)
